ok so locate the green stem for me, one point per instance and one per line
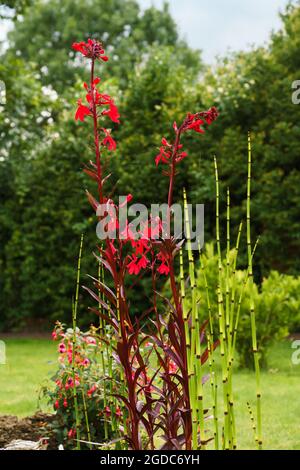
(74, 323)
(252, 306)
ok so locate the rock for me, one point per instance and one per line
(19, 444)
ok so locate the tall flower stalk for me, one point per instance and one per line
(167, 403)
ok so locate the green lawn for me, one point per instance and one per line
(31, 361)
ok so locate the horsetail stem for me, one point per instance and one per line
(227, 308)
(222, 318)
(74, 324)
(86, 417)
(195, 379)
(252, 420)
(211, 361)
(252, 307)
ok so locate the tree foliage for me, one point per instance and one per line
(43, 208)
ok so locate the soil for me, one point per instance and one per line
(32, 428)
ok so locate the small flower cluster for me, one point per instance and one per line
(173, 152)
(85, 378)
(92, 49)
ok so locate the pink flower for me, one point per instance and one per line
(91, 340)
(56, 405)
(62, 348)
(54, 335)
(70, 383)
(85, 362)
(107, 411)
(65, 403)
(172, 367)
(119, 412)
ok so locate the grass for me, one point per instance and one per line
(31, 361)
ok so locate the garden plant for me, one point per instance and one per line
(151, 381)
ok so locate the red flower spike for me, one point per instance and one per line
(91, 49)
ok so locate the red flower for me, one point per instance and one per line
(119, 412)
(133, 267)
(92, 390)
(194, 121)
(180, 157)
(164, 267)
(142, 262)
(164, 152)
(65, 403)
(108, 141)
(195, 125)
(91, 49)
(71, 433)
(82, 111)
(112, 112)
(56, 405)
(210, 115)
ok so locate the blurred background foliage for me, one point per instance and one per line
(156, 78)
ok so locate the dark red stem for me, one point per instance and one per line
(96, 135)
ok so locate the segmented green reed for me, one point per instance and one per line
(228, 314)
(74, 324)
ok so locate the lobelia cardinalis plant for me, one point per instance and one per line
(162, 405)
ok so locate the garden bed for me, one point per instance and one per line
(32, 428)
